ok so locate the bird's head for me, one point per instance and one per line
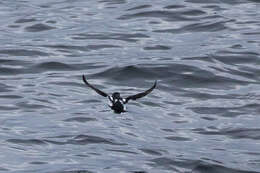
(116, 95)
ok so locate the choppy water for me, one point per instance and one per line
(203, 117)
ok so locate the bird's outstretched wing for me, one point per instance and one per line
(139, 95)
(97, 90)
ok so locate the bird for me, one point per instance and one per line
(117, 102)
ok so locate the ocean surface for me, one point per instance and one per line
(203, 117)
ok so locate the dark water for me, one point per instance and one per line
(203, 117)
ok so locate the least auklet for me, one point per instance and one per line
(117, 102)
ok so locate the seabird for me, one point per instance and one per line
(117, 102)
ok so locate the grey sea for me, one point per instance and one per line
(203, 116)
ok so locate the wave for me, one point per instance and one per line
(177, 74)
(27, 142)
(39, 27)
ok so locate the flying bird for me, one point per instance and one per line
(117, 102)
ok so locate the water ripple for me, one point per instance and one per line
(238, 133)
(111, 36)
(85, 140)
(197, 27)
(165, 15)
(38, 28)
(23, 52)
(27, 142)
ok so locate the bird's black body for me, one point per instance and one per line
(116, 100)
(118, 107)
